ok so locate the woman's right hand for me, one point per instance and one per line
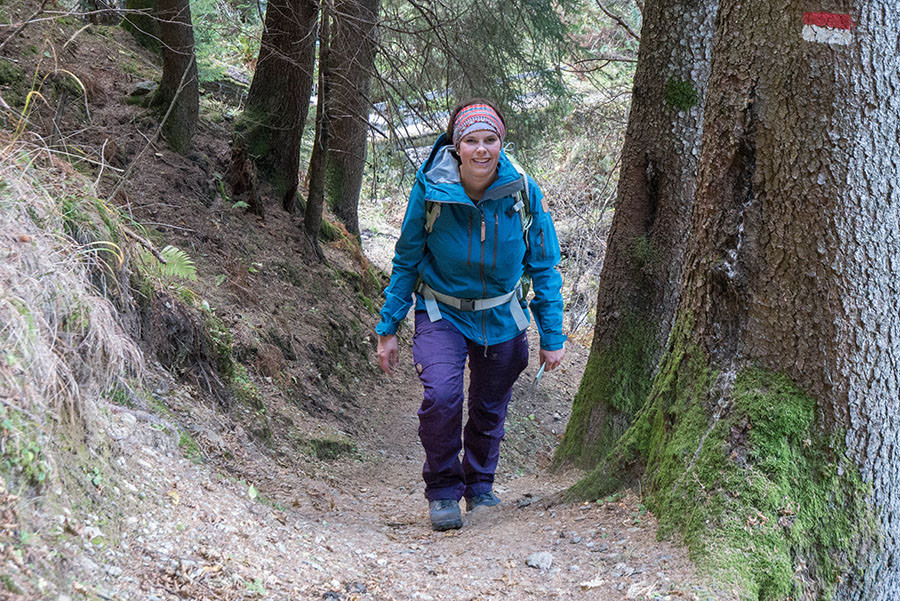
(388, 353)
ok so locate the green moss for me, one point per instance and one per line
(741, 470)
(250, 128)
(10, 585)
(329, 449)
(222, 341)
(189, 447)
(680, 94)
(616, 381)
(233, 372)
(13, 83)
(643, 251)
(10, 73)
(245, 390)
(118, 395)
(22, 455)
(335, 180)
(328, 232)
(368, 303)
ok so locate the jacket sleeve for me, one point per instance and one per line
(408, 254)
(541, 260)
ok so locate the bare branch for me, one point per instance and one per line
(618, 20)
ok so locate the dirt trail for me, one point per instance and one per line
(356, 529)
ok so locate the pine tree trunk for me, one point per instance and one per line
(640, 281)
(772, 436)
(271, 126)
(141, 19)
(352, 63)
(100, 12)
(312, 219)
(179, 87)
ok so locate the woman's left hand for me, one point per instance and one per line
(552, 358)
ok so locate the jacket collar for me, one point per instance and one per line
(440, 175)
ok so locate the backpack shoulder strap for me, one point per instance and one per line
(523, 200)
(432, 211)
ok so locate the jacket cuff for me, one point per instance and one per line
(553, 342)
(386, 329)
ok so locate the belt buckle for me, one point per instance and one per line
(467, 304)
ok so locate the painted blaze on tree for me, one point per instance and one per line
(770, 435)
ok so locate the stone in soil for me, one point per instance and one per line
(541, 560)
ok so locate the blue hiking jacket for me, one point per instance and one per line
(475, 250)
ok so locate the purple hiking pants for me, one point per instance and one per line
(440, 352)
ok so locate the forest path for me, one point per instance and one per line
(358, 529)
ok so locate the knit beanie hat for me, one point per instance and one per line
(477, 117)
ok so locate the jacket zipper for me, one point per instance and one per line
(496, 233)
(483, 282)
(469, 254)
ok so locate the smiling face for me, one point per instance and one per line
(479, 152)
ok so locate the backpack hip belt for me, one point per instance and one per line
(432, 297)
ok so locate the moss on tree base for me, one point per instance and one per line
(739, 466)
(615, 385)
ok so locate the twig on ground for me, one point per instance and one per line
(145, 243)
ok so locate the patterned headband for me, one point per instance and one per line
(476, 117)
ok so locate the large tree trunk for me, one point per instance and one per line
(641, 276)
(178, 93)
(772, 437)
(271, 126)
(352, 62)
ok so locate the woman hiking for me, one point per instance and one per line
(474, 226)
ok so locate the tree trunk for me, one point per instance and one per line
(352, 63)
(142, 20)
(312, 220)
(100, 12)
(271, 126)
(178, 88)
(640, 281)
(772, 433)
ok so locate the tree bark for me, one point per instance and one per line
(179, 78)
(352, 62)
(312, 219)
(271, 126)
(100, 12)
(771, 439)
(640, 281)
(144, 25)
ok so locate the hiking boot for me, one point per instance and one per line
(444, 514)
(485, 499)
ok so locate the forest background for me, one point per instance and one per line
(736, 375)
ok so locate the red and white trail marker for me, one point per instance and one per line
(828, 28)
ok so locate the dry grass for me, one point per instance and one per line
(61, 341)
